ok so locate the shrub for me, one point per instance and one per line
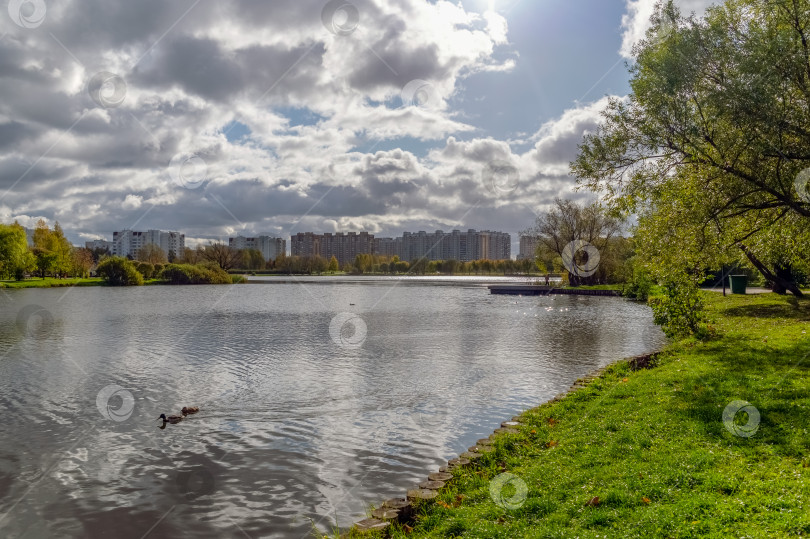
(146, 269)
(679, 311)
(194, 274)
(639, 286)
(118, 271)
(157, 270)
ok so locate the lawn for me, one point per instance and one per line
(647, 453)
(50, 282)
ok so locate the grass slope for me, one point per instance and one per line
(50, 282)
(652, 445)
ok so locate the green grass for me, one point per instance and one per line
(50, 282)
(652, 445)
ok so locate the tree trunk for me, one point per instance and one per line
(781, 277)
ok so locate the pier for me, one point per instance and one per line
(540, 290)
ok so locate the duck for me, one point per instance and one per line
(173, 419)
(190, 410)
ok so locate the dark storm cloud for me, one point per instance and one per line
(12, 133)
(200, 66)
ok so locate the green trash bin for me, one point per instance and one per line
(738, 283)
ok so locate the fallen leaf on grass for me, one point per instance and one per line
(407, 528)
(552, 421)
(593, 502)
(645, 499)
(552, 443)
(625, 379)
(459, 498)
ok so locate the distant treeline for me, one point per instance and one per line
(385, 265)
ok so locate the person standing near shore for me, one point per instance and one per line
(547, 279)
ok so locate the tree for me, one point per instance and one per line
(146, 269)
(564, 234)
(81, 262)
(222, 255)
(319, 264)
(62, 249)
(98, 253)
(15, 257)
(333, 265)
(191, 256)
(53, 252)
(711, 147)
(251, 259)
(118, 271)
(151, 254)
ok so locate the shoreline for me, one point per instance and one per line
(702, 441)
(402, 511)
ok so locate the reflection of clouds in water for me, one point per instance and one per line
(297, 421)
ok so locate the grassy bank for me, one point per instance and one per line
(50, 282)
(647, 454)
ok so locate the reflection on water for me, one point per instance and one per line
(297, 426)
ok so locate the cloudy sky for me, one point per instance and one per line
(284, 116)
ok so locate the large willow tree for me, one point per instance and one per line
(712, 146)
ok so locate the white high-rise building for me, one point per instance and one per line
(129, 242)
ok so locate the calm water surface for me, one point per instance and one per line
(307, 415)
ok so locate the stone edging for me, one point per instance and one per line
(402, 509)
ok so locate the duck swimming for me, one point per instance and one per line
(173, 419)
(190, 410)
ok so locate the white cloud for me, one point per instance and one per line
(314, 112)
(636, 19)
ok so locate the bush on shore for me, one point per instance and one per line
(195, 274)
(146, 269)
(118, 271)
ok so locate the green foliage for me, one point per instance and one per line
(195, 274)
(15, 258)
(679, 310)
(639, 286)
(251, 259)
(53, 252)
(706, 148)
(146, 269)
(118, 271)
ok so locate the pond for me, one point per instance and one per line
(318, 396)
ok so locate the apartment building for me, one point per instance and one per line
(528, 248)
(343, 246)
(270, 246)
(439, 245)
(129, 242)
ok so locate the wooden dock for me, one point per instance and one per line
(540, 290)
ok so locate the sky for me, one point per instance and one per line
(275, 117)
